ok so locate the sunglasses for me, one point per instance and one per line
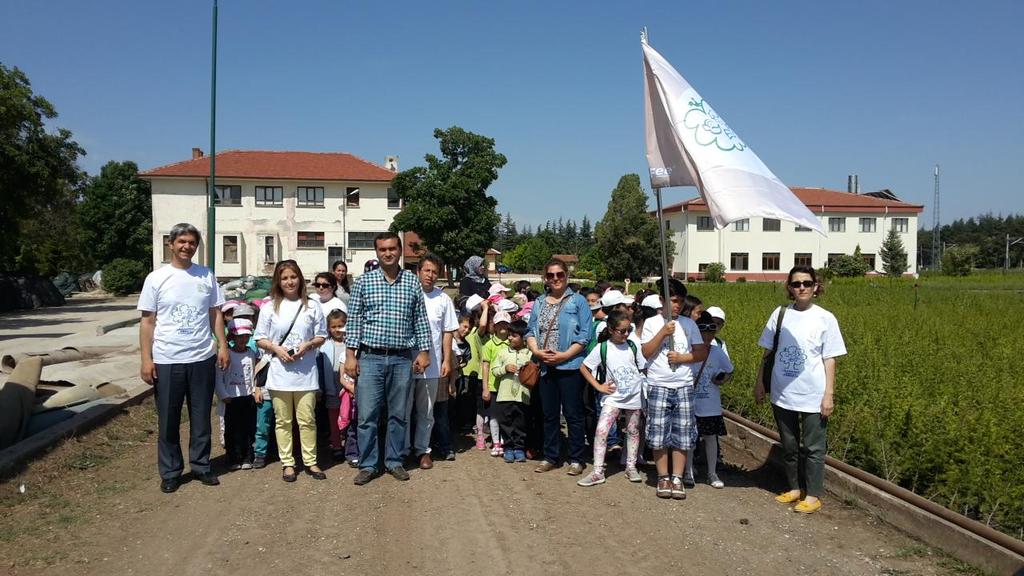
(623, 331)
(554, 275)
(319, 285)
(802, 284)
(707, 327)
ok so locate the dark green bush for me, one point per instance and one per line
(715, 272)
(123, 276)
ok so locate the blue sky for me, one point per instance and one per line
(819, 90)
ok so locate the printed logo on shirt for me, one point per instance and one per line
(792, 359)
(627, 380)
(188, 318)
(203, 287)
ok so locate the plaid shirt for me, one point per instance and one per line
(387, 315)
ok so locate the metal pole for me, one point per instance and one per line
(211, 214)
(666, 306)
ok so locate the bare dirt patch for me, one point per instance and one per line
(92, 506)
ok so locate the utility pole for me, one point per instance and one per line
(936, 241)
(1010, 242)
(211, 215)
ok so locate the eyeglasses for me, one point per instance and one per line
(320, 285)
(623, 331)
(802, 283)
(707, 327)
(554, 275)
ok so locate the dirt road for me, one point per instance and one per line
(92, 506)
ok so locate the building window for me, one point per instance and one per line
(352, 197)
(361, 240)
(802, 259)
(227, 195)
(833, 256)
(837, 224)
(867, 224)
(311, 240)
(310, 196)
(770, 260)
(393, 200)
(703, 266)
(668, 225)
(167, 248)
(901, 225)
(269, 250)
(771, 225)
(739, 261)
(705, 223)
(230, 254)
(870, 259)
(800, 228)
(269, 196)
(741, 225)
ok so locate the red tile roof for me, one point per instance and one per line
(567, 258)
(272, 165)
(820, 200)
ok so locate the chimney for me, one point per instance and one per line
(856, 184)
(197, 153)
(391, 163)
(849, 183)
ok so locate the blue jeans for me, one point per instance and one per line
(561, 392)
(384, 384)
(264, 425)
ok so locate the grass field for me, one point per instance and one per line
(930, 394)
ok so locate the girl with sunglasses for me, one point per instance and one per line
(802, 384)
(614, 368)
(558, 333)
(326, 286)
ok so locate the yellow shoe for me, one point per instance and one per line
(805, 507)
(789, 497)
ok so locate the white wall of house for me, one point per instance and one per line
(249, 226)
(696, 247)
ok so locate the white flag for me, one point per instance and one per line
(688, 144)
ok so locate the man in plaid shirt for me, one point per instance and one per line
(387, 327)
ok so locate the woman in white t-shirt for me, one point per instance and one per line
(617, 363)
(802, 383)
(291, 328)
(325, 286)
(340, 272)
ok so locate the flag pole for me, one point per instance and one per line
(666, 306)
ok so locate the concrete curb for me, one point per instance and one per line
(904, 516)
(101, 330)
(12, 456)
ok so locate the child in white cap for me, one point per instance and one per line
(237, 391)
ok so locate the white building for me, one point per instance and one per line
(762, 249)
(314, 208)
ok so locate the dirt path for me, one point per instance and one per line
(92, 506)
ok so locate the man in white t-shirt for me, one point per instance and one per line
(181, 317)
(443, 323)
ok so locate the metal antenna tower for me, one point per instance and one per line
(936, 241)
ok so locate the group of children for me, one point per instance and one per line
(638, 384)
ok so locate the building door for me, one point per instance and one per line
(334, 253)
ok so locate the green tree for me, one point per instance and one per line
(116, 215)
(627, 238)
(446, 202)
(959, 260)
(39, 177)
(894, 255)
(528, 256)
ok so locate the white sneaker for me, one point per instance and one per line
(592, 479)
(716, 482)
(633, 475)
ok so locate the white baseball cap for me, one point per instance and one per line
(506, 305)
(716, 312)
(652, 301)
(614, 298)
(502, 317)
(497, 288)
(473, 302)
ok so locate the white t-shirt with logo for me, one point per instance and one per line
(707, 398)
(808, 338)
(659, 371)
(442, 318)
(300, 375)
(332, 305)
(239, 379)
(622, 367)
(181, 300)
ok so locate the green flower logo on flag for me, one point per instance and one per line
(709, 129)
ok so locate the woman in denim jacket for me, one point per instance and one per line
(561, 385)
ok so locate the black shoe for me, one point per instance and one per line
(259, 462)
(363, 477)
(288, 477)
(353, 463)
(399, 473)
(168, 485)
(318, 474)
(207, 478)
